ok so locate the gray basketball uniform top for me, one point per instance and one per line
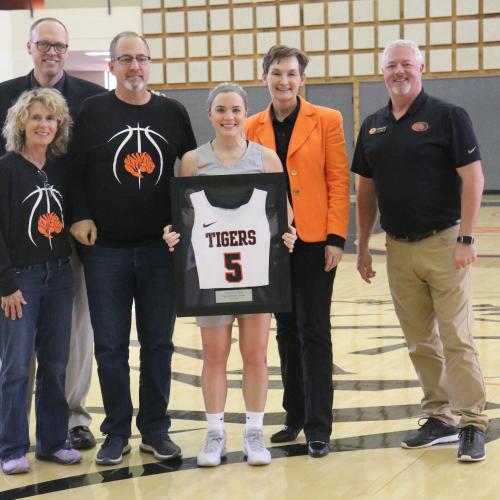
(252, 162)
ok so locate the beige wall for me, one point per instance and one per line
(201, 42)
(7, 59)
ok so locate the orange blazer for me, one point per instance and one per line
(317, 167)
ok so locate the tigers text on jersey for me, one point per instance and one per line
(231, 246)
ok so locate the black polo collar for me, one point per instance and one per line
(419, 101)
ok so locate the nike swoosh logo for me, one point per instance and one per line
(199, 167)
(470, 151)
(211, 223)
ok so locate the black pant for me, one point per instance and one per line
(305, 344)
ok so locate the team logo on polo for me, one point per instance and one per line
(138, 163)
(377, 130)
(420, 126)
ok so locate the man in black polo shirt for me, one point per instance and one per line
(419, 159)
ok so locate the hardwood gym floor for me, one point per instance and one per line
(376, 401)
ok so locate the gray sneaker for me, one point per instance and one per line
(254, 448)
(214, 450)
(16, 465)
(64, 456)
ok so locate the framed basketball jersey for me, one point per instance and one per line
(231, 258)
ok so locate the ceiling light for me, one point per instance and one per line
(97, 54)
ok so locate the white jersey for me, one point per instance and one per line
(231, 246)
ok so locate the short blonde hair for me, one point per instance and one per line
(17, 115)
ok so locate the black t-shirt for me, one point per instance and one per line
(413, 163)
(32, 216)
(123, 157)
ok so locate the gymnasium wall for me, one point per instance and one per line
(480, 96)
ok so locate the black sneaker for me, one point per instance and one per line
(434, 431)
(81, 438)
(112, 450)
(162, 447)
(471, 446)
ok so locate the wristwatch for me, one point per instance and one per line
(466, 240)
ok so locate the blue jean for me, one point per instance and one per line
(45, 327)
(116, 278)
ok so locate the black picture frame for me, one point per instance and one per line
(230, 192)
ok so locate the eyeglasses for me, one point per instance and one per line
(60, 48)
(128, 60)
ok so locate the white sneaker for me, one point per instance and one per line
(214, 450)
(254, 449)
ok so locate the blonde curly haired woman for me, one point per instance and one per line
(36, 283)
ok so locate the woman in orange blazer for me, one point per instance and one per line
(309, 140)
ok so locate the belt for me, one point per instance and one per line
(410, 238)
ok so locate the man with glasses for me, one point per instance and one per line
(125, 145)
(48, 46)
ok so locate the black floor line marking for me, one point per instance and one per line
(357, 443)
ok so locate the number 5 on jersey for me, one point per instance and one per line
(232, 262)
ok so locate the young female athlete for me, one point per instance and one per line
(230, 153)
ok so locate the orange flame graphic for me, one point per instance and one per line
(137, 163)
(48, 224)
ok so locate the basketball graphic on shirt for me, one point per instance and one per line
(231, 246)
(139, 162)
(45, 198)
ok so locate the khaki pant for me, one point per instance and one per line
(81, 351)
(434, 307)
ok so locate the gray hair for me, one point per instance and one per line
(124, 34)
(402, 43)
(17, 115)
(224, 88)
